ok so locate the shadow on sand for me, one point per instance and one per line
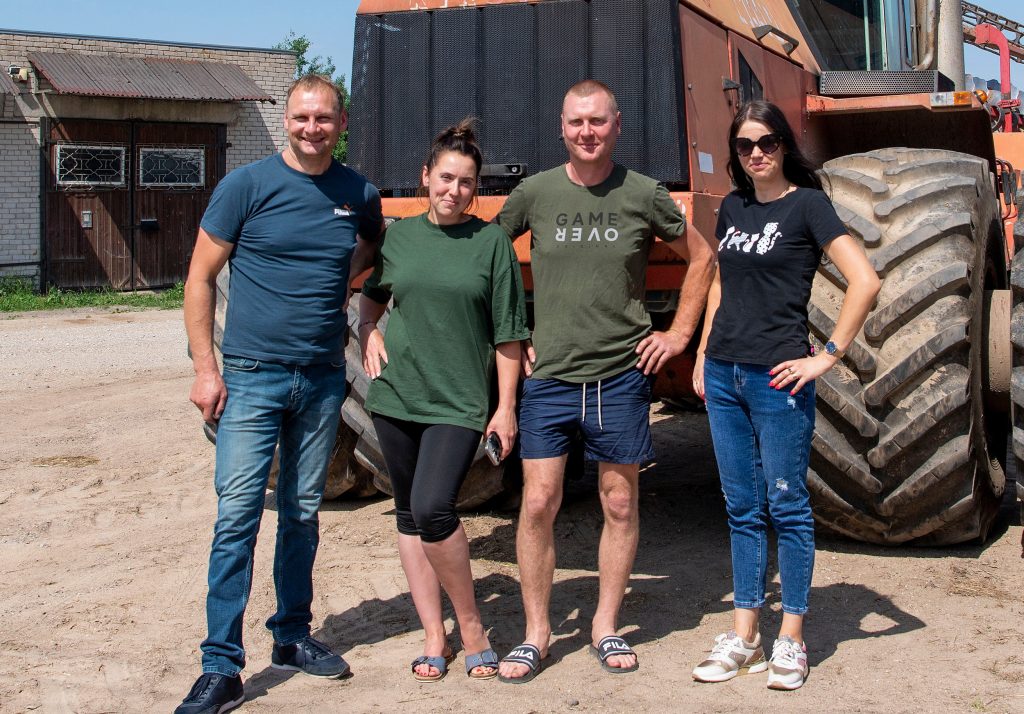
(682, 571)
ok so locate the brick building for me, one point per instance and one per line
(109, 149)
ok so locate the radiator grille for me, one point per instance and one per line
(509, 65)
(859, 83)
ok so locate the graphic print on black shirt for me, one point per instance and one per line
(744, 241)
(767, 255)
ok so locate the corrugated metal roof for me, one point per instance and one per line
(7, 85)
(145, 77)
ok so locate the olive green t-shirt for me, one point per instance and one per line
(458, 292)
(589, 260)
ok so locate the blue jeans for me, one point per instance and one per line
(762, 442)
(298, 407)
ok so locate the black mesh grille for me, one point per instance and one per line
(855, 83)
(404, 114)
(617, 58)
(507, 92)
(509, 65)
(562, 32)
(455, 74)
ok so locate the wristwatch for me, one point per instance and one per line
(831, 349)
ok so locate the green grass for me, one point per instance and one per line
(17, 294)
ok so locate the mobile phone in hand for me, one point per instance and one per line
(492, 447)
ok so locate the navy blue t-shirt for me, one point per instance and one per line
(294, 235)
(767, 256)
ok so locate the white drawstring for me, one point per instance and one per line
(600, 414)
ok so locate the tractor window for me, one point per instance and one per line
(849, 34)
(750, 86)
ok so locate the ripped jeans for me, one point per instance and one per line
(762, 440)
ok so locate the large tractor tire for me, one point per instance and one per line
(484, 481)
(904, 447)
(1017, 336)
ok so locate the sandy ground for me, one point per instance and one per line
(106, 513)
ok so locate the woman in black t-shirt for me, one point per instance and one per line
(756, 371)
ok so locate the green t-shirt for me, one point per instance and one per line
(589, 260)
(458, 292)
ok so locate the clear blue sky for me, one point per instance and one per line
(254, 23)
(983, 64)
(259, 23)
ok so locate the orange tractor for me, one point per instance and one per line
(913, 426)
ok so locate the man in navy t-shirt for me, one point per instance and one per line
(293, 227)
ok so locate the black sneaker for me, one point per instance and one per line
(309, 656)
(212, 694)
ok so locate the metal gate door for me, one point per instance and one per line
(124, 200)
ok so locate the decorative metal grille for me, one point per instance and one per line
(164, 166)
(85, 165)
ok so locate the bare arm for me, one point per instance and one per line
(714, 300)
(371, 339)
(507, 356)
(362, 257)
(862, 288)
(208, 391)
(658, 347)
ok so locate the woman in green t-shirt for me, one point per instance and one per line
(458, 315)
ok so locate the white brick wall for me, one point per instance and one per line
(257, 131)
(19, 196)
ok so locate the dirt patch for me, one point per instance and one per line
(107, 509)
(71, 462)
(976, 582)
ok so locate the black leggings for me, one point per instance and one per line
(427, 464)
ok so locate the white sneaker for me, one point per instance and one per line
(788, 668)
(731, 656)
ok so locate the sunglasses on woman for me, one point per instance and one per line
(768, 144)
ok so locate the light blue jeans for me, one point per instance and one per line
(268, 403)
(762, 440)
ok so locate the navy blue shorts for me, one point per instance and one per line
(610, 416)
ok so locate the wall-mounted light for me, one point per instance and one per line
(18, 74)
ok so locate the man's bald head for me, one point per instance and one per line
(589, 87)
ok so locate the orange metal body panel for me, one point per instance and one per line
(709, 109)
(712, 54)
(742, 16)
(1010, 147)
(860, 105)
(785, 83)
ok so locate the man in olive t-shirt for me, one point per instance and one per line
(593, 223)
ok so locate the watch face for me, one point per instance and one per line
(830, 347)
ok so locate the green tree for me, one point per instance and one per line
(324, 66)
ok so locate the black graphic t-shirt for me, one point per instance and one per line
(767, 255)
